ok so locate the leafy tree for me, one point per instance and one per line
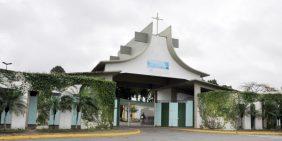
(226, 86)
(257, 87)
(213, 81)
(12, 101)
(57, 69)
(88, 104)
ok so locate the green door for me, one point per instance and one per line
(181, 114)
(165, 114)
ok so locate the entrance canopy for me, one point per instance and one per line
(145, 81)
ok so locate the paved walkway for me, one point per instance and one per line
(170, 134)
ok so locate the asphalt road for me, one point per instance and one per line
(165, 134)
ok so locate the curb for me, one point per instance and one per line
(233, 132)
(72, 135)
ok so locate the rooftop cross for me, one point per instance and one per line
(157, 19)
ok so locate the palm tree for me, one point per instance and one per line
(13, 102)
(54, 101)
(84, 101)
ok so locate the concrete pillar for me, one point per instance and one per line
(116, 113)
(258, 120)
(158, 114)
(32, 109)
(247, 120)
(197, 117)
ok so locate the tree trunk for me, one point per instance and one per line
(77, 114)
(5, 120)
(54, 117)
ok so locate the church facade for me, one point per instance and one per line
(150, 61)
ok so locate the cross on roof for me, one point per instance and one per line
(157, 18)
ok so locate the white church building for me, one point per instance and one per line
(150, 61)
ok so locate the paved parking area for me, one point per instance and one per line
(170, 134)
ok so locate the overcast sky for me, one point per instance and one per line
(235, 41)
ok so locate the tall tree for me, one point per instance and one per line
(257, 87)
(213, 81)
(57, 69)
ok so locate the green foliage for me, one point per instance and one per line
(65, 103)
(272, 110)
(133, 109)
(231, 107)
(86, 102)
(215, 104)
(213, 81)
(100, 98)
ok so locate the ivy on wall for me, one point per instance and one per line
(219, 107)
(44, 84)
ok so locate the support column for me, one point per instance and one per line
(128, 114)
(197, 116)
(258, 120)
(32, 110)
(116, 112)
(158, 114)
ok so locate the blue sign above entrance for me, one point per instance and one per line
(158, 64)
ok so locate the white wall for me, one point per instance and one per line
(173, 115)
(18, 121)
(164, 95)
(65, 120)
(184, 97)
(157, 50)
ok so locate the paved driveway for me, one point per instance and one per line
(165, 134)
